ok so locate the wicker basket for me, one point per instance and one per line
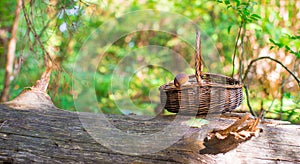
(203, 93)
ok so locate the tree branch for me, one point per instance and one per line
(10, 57)
(236, 47)
(42, 84)
(248, 101)
(241, 68)
(248, 69)
(277, 61)
(36, 36)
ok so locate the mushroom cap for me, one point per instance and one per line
(180, 79)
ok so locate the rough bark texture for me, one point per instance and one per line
(42, 84)
(50, 135)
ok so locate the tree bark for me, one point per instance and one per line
(49, 135)
(10, 57)
(42, 84)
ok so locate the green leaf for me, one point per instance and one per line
(297, 54)
(272, 41)
(227, 2)
(287, 94)
(271, 47)
(238, 3)
(294, 37)
(229, 28)
(253, 18)
(196, 122)
(280, 45)
(246, 12)
(256, 16)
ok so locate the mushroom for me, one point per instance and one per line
(181, 79)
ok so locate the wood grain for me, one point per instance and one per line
(57, 136)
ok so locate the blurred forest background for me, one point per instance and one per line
(245, 29)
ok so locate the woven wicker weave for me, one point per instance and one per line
(203, 93)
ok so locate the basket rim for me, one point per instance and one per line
(213, 85)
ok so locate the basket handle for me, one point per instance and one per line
(198, 61)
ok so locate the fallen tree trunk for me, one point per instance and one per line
(52, 135)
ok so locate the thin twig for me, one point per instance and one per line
(248, 69)
(235, 48)
(85, 3)
(36, 36)
(262, 110)
(272, 103)
(47, 24)
(281, 96)
(198, 62)
(277, 61)
(248, 100)
(241, 68)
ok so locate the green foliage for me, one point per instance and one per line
(291, 43)
(7, 10)
(68, 23)
(244, 9)
(290, 110)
